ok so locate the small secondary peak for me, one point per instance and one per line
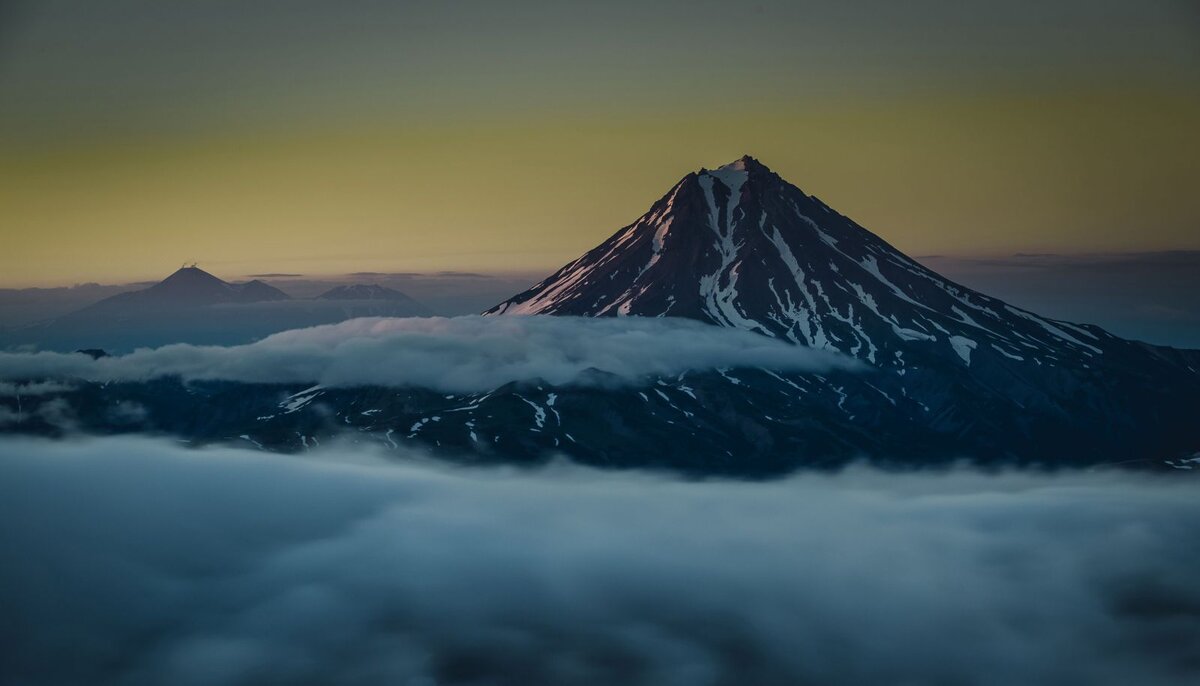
(192, 274)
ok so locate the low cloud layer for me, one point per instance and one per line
(460, 354)
(131, 561)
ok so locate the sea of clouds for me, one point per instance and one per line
(140, 561)
(457, 354)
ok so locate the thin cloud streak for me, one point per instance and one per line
(461, 354)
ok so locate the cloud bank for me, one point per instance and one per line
(132, 561)
(459, 354)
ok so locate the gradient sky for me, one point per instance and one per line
(322, 137)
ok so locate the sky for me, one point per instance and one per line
(322, 138)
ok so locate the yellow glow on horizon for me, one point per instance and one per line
(946, 175)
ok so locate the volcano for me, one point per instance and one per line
(739, 246)
(943, 373)
(191, 287)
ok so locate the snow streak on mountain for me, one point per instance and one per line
(739, 246)
(946, 373)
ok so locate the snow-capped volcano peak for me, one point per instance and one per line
(737, 173)
(739, 164)
(745, 163)
(738, 246)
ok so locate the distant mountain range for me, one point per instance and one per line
(193, 306)
(951, 373)
(368, 292)
(187, 287)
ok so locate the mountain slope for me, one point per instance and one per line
(187, 287)
(948, 373)
(739, 246)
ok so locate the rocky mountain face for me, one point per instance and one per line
(947, 373)
(739, 246)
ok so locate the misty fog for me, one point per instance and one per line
(145, 562)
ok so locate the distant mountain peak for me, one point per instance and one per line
(188, 287)
(362, 291)
(259, 291)
(191, 274)
(373, 296)
(192, 283)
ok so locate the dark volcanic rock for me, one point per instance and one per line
(950, 373)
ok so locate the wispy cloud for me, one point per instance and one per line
(461, 354)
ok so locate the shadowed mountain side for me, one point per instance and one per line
(746, 423)
(945, 372)
(741, 247)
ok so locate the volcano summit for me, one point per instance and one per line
(939, 372)
(741, 247)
